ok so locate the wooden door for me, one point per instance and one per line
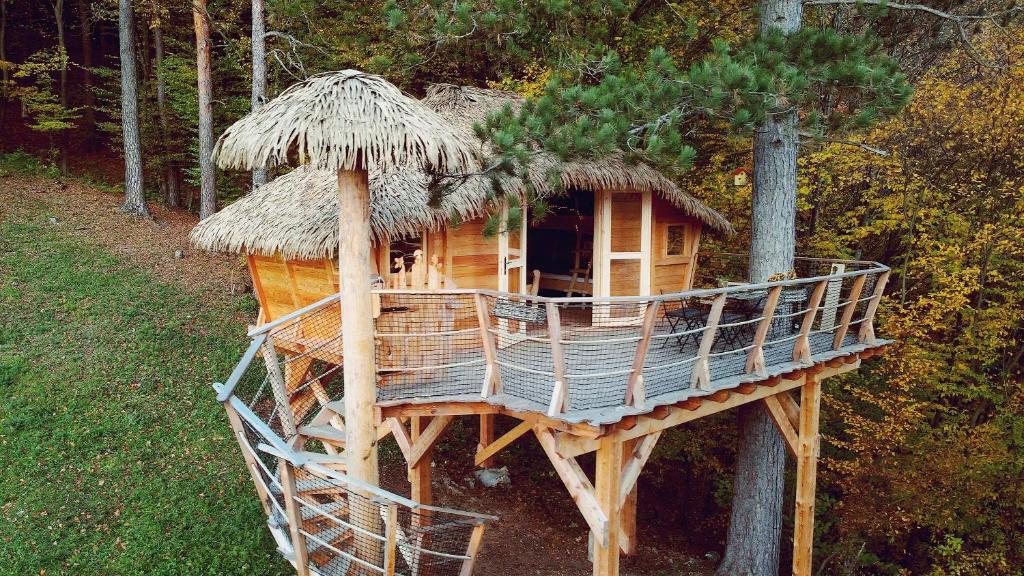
(622, 249)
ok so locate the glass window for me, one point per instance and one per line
(675, 240)
(405, 249)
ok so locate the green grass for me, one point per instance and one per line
(115, 457)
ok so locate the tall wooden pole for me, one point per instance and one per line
(607, 475)
(357, 339)
(204, 79)
(806, 471)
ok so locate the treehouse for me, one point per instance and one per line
(619, 229)
(596, 354)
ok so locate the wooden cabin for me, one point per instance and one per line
(616, 229)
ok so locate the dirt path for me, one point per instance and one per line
(540, 532)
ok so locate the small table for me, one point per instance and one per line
(691, 318)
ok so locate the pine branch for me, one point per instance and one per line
(853, 143)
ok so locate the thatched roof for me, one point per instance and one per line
(337, 120)
(296, 214)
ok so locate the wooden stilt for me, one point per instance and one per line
(294, 518)
(627, 514)
(420, 476)
(486, 438)
(608, 473)
(806, 469)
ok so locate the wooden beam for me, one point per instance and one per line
(401, 435)
(755, 357)
(294, 514)
(806, 464)
(560, 393)
(791, 408)
(401, 410)
(486, 438)
(476, 538)
(701, 376)
(802, 345)
(578, 485)
(279, 387)
(391, 539)
(492, 378)
(635, 395)
(487, 453)
(420, 473)
(634, 464)
(848, 310)
(570, 446)
(607, 477)
(627, 509)
(781, 421)
(866, 333)
(425, 441)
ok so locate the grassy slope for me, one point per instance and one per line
(115, 457)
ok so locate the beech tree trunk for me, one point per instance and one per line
(259, 74)
(88, 98)
(758, 488)
(207, 187)
(170, 177)
(134, 193)
(5, 74)
(58, 16)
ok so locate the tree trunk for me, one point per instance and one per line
(170, 178)
(357, 342)
(758, 488)
(88, 98)
(134, 193)
(259, 75)
(5, 74)
(58, 15)
(207, 188)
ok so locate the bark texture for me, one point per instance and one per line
(58, 16)
(207, 187)
(134, 192)
(259, 74)
(171, 176)
(88, 98)
(758, 489)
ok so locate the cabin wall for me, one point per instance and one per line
(470, 258)
(673, 272)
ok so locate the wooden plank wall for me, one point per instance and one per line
(673, 273)
(470, 258)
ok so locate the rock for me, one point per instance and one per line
(178, 254)
(713, 556)
(491, 477)
(53, 220)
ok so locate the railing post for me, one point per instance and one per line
(866, 334)
(391, 535)
(278, 386)
(560, 392)
(802, 346)
(635, 393)
(475, 540)
(250, 459)
(291, 507)
(701, 375)
(492, 377)
(755, 357)
(851, 305)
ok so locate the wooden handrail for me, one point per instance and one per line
(802, 346)
(635, 394)
(560, 391)
(492, 377)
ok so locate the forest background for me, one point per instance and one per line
(923, 468)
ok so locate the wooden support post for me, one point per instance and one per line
(279, 388)
(627, 510)
(486, 439)
(250, 458)
(782, 423)
(579, 486)
(391, 539)
(806, 470)
(635, 395)
(755, 357)
(476, 538)
(560, 393)
(301, 552)
(866, 334)
(607, 477)
(802, 346)
(492, 378)
(419, 471)
(701, 375)
(851, 305)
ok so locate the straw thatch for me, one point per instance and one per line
(296, 214)
(344, 120)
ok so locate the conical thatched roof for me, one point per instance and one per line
(336, 121)
(296, 214)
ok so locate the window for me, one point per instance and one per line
(675, 240)
(404, 249)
